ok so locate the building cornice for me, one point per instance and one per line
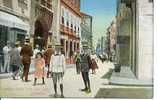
(73, 9)
(12, 12)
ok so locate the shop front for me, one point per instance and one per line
(12, 29)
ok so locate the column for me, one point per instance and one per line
(145, 40)
(56, 20)
(68, 53)
(73, 46)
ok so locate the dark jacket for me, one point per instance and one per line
(26, 53)
(47, 55)
(15, 58)
(84, 61)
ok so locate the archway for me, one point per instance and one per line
(41, 34)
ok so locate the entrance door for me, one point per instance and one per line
(39, 37)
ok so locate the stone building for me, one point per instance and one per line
(135, 37)
(14, 20)
(111, 40)
(41, 18)
(86, 32)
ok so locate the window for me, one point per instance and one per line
(23, 4)
(71, 25)
(62, 20)
(7, 3)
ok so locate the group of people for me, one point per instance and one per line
(17, 57)
(52, 58)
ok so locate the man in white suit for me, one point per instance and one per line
(6, 51)
(58, 67)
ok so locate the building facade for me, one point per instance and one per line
(86, 32)
(111, 40)
(135, 37)
(70, 27)
(41, 20)
(14, 22)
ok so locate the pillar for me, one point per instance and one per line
(145, 40)
(56, 21)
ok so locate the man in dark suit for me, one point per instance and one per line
(85, 67)
(26, 53)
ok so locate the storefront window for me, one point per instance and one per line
(3, 37)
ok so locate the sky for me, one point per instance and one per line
(103, 12)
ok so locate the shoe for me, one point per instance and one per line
(27, 80)
(62, 96)
(88, 91)
(13, 77)
(55, 95)
(85, 89)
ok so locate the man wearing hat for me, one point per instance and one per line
(47, 55)
(26, 53)
(58, 66)
(85, 67)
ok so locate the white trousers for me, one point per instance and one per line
(6, 63)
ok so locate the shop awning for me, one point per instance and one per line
(12, 21)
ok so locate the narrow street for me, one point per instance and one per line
(72, 85)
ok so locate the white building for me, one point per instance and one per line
(135, 37)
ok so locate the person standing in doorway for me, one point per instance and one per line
(15, 60)
(6, 52)
(85, 67)
(47, 55)
(26, 53)
(39, 68)
(57, 65)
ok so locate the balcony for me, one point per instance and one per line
(67, 31)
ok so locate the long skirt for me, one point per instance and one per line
(39, 72)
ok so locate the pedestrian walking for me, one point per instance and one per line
(39, 68)
(85, 67)
(15, 60)
(6, 52)
(26, 53)
(94, 65)
(57, 64)
(77, 61)
(47, 55)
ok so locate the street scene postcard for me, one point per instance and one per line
(76, 49)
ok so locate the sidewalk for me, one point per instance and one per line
(126, 77)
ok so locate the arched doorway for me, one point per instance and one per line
(41, 33)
